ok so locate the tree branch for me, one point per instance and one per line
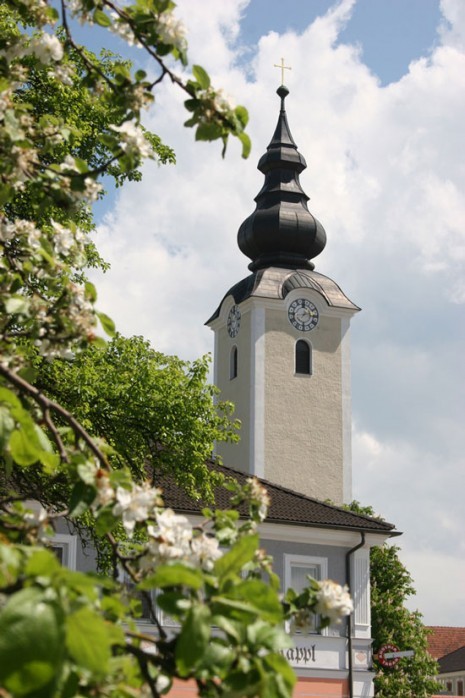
(48, 405)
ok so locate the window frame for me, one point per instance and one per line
(233, 362)
(293, 560)
(68, 543)
(309, 346)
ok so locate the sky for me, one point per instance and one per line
(376, 106)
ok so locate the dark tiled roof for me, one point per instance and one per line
(287, 506)
(277, 282)
(444, 639)
(454, 661)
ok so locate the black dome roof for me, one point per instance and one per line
(281, 232)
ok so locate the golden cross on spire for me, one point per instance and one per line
(283, 68)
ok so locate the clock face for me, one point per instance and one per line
(303, 314)
(234, 321)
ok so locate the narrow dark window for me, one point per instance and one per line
(233, 363)
(459, 687)
(303, 357)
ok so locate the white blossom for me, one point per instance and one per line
(133, 139)
(174, 535)
(205, 550)
(64, 238)
(259, 497)
(135, 505)
(64, 73)
(333, 601)
(171, 31)
(222, 102)
(37, 518)
(122, 29)
(47, 48)
(105, 492)
(69, 163)
(162, 682)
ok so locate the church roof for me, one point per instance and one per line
(281, 231)
(287, 506)
(276, 282)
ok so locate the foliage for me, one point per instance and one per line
(393, 623)
(66, 119)
(156, 411)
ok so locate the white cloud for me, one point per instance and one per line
(443, 595)
(418, 491)
(386, 167)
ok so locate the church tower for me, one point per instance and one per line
(282, 352)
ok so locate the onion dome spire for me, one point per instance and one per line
(281, 232)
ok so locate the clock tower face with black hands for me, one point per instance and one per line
(303, 315)
(234, 321)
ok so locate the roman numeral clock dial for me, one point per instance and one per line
(303, 315)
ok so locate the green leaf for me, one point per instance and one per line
(10, 565)
(173, 602)
(280, 675)
(201, 76)
(9, 397)
(31, 642)
(50, 461)
(193, 639)
(242, 684)
(42, 563)
(173, 575)
(23, 450)
(246, 144)
(192, 104)
(260, 596)
(233, 561)
(88, 640)
(191, 122)
(107, 324)
(272, 636)
(91, 291)
(81, 498)
(101, 18)
(7, 424)
(231, 627)
(106, 522)
(208, 132)
(242, 114)
(218, 658)
(6, 193)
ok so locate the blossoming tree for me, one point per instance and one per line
(65, 633)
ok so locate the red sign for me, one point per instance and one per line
(386, 650)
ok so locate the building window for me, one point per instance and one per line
(459, 687)
(65, 547)
(233, 363)
(303, 357)
(296, 570)
(449, 686)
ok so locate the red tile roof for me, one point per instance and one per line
(445, 639)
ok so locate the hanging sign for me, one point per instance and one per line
(385, 655)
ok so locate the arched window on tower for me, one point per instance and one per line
(303, 357)
(233, 363)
